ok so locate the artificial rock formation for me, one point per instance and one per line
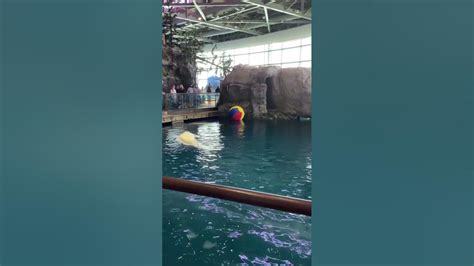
(177, 69)
(262, 90)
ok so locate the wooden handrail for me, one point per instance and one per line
(266, 200)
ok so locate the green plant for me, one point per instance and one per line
(190, 44)
(221, 64)
(226, 63)
(169, 23)
(187, 40)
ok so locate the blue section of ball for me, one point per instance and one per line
(233, 111)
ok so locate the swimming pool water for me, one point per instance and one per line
(268, 156)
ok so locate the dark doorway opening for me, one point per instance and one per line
(270, 101)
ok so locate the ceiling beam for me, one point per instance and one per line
(266, 18)
(228, 15)
(203, 39)
(219, 26)
(250, 21)
(278, 7)
(206, 5)
(223, 25)
(216, 33)
(294, 2)
(199, 10)
(278, 20)
(236, 13)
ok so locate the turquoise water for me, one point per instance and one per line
(267, 156)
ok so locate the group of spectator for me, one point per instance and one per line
(179, 101)
(208, 89)
(179, 98)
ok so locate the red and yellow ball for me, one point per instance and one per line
(236, 113)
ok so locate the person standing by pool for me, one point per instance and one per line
(190, 95)
(199, 96)
(180, 88)
(196, 89)
(165, 101)
(218, 91)
(180, 96)
(208, 90)
(190, 89)
(173, 95)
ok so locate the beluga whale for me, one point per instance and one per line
(189, 139)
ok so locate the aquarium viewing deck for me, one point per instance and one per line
(182, 107)
(189, 115)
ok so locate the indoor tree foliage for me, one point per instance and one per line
(226, 63)
(168, 23)
(221, 65)
(187, 40)
(190, 43)
(180, 49)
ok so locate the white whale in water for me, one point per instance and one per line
(189, 139)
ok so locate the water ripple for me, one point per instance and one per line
(257, 156)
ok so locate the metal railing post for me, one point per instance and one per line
(180, 101)
(245, 196)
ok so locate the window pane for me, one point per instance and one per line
(306, 53)
(217, 53)
(202, 83)
(274, 65)
(257, 59)
(203, 75)
(291, 44)
(256, 49)
(276, 45)
(306, 64)
(205, 54)
(275, 57)
(291, 55)
(200, 65)
(290, 65)
(306, 41)
(242, 51)
(241, 59)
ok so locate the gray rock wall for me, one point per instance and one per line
(177, 69)
(260, 90)
(292, 92)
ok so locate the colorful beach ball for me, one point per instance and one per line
(236, 113)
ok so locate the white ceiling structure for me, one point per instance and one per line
(224, 20)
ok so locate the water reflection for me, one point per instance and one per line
(210, 136)
(238, 127)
